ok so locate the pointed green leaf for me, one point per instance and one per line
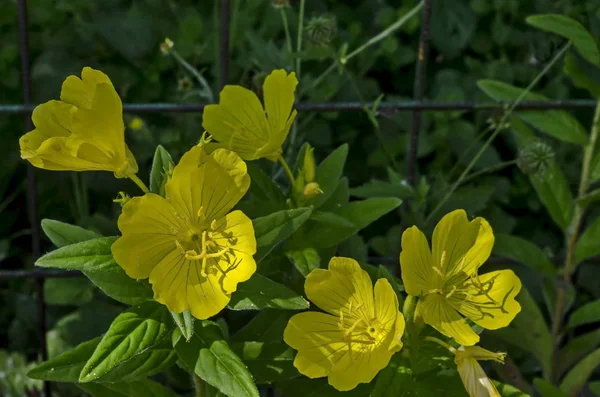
(576, 349)
(558, 123)
(583, 74)
(330, 218)
(522, 251)
(141, 388)
(553, 191)
(305, 260)
(67, 366)
(547, 389)
(329, 173)
(62, 234)
(208, 356)
(272, 229)
(131, 333)
(94, 258)
(586, 314)
(161, 164)
(571, 30)
(580, 373)
(267, 362)
(266, 326)
(260, 293)
(377, 188)
(185, 322)
(587, 245)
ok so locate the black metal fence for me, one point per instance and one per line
(416, 106)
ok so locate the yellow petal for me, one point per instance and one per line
(238, 122)
(386, 304)
(474, 378)
(343, 286)
(149, 227)
(416, 262)
(438, 313)
(279, 88)
(502, 287)
(319, 341)
(80, 92)
(213, 188)
(235, 231)
(479, 353)
(460, 246)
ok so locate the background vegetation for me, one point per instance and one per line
(470, 41)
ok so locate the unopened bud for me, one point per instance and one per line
(535, 158)
(309, 165)
(311, 190)
(166, 46)
(321, 30)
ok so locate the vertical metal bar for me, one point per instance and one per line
(31, 185)
(419, 89)
(224, 42)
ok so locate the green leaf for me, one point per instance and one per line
(557, 123)
(67, 366)
(267, 326)
(586, 314)
(131, 333)
(507, 390)
(161, 164)
(263, 185)
(94, 258)
(453, 24)
(208, 356)
(590, 197)
(272, 229)
(305, 260)
(383, 272)
(62, 234)
(329, 173)
(330, 218)
(68, 291)
(185, 322)
(529, 331)
(261, 293)
(595, 387)
(571, 30)
(580, 373)
(267, 362)
(339, 197)
(553, 191)
(141, 388)
(547, 389)
(304, 387)
(576, 349)
(360, 213)
(522, 251)
(377, 188)
(587, 245)
(583, 74)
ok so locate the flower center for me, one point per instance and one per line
(201, 246)
(360, 333)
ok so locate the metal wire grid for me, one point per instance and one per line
(416, 106)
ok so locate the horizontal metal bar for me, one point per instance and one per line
(346, 106)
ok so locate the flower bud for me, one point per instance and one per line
(166, 46)
(311, 190)
(321, 30)
(535, 158)
(309, 165)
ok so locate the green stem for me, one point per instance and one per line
(499, 128)
(572, 233)
(139, 182)
(286, 28)
(441, 343)
(493, 168)
(194, 73)
(287, 169)
(375, 39)
(299, 37)
(198, 385)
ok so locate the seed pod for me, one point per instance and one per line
(535, 158)
(321, 30)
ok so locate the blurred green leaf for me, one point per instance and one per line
(115, 25)
(331, 219)
(587, 245)
(209, 356)
(261, 293)
(376, 188)
(94, 258)
(272, 229)
(68, 291)
(303, 387)
(161, 164)
(185, 322)
(267, 362)
(547, 389)
(553, 190)
(131, 333)
(141, 388)
(14, 382)
(586, 314)
(67, 366)
(529, 331)
(576, 349)
(305, 260)
(266, 326)
(452, 26)
(522, 251)
(571, 30)
(580, 373)
(62, 234)
(583, 74)
(557, 123)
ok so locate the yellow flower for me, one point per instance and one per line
(358, 336)
(191, 247)
(447, 279)
(83, 131)
(473, 377)
(240, 123)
